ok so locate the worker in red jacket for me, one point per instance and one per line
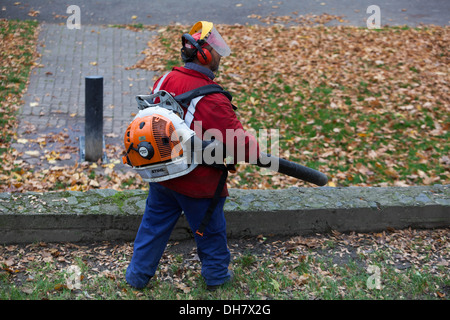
(202, 49)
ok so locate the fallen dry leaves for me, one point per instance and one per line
(49, 161)
(310, 263)
(367, 107)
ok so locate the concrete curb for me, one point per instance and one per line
(99, 215)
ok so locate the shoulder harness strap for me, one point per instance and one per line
(185, 98)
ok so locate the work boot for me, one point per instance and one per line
(137, 281)
(215, 287)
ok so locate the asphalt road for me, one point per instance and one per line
(164, 12)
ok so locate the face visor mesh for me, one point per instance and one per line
(216, 41)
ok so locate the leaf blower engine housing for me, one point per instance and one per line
(158, 143)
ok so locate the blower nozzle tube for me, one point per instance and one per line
(268, 161)
(292, 169)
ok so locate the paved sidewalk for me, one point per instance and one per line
(54, 101)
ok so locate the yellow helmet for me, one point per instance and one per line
(204, 26)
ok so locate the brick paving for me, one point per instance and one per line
(54, 101)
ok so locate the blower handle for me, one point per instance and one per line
(292, 169)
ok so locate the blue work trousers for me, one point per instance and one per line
(164, 207)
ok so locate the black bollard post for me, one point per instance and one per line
(93, 129)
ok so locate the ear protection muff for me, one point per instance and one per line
(203, 54)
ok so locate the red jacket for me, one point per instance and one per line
(215, 112)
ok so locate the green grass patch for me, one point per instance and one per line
(17, 54)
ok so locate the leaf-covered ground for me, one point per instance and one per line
(394, 265)
(54, 169)
(17, 57)
(367, 107)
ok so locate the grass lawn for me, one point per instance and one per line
(395, 265)
(17, 56)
